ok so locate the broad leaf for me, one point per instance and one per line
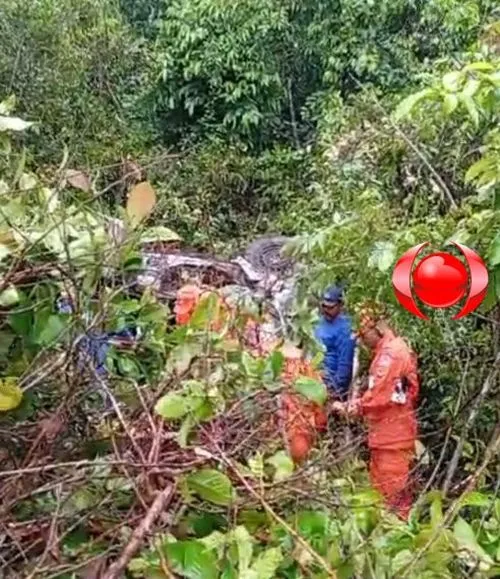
(192, 559)
(479, 167)
(481, 65)
(450, 103)
(172, 406)
(141, 202)
(9, 297)
(159, 233)
(266, 564)
(51, 330)
(211, 485)
(470, 105)
(185, 429)
(13, 124)
(451, 80)
(382, 256)
(406, 106)
(244, 542)
(436, 510)
(283, 465)
(466, 538)
(471, 87)
(27, 182)
(494, 251)
(256, 465)
(475, 499)
(311, 389)
(10, 394)
(78, 180)
(4, 251)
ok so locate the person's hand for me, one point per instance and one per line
(353, 407)
(338, 407)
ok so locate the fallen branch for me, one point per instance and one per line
(491, 450)
(304, 544)
(488, 383)
(115, 569)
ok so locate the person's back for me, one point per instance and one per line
(334, 331)
(388, 404)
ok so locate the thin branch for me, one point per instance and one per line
(161, 501)
(488, 383)
(410, 143)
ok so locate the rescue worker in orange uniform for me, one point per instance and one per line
(302, 419)
(388, 407)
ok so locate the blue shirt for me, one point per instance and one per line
(337, 337)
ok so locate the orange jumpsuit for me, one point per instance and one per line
(388, 407)
(187, 299)
(302, 418)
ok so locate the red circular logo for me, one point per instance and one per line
(440, 280)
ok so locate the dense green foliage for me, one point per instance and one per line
(362, 128)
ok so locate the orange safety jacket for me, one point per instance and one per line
(303, 419)
(389, 403)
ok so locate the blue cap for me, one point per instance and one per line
(333, 296)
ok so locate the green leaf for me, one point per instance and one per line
(405, 107)
(265, 565)
(494, 251)
(401, 561)
(6, 339)
(470, 105)
(382, 256)
(471, 87)
(191, 559)
(276, 361)
(172, 406)
(436, 510)
(10, 394)
(451, 80)
(283, 465)
(13, 124)
(312, 524)
(4, 251)
(256, 465)
(245, 547)
(185, 429)
(204, 312)
(481, 65)
(212, 485)
(450, 103)
(475, 499)
(181, 357)
(9, 297)
(27, 182)
(484, 164)
(159, 233)
(8, 105)
(311, 389)
(464, 534)
(52, 329)
(216, 541)
(81, 500)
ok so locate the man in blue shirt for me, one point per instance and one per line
(334, 331)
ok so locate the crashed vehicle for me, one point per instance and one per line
(262, 274)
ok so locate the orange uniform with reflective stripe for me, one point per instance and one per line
(389, 410)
